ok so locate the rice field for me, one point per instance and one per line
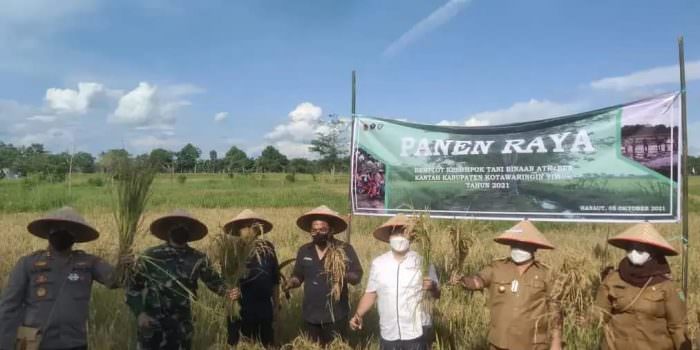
(461, 318)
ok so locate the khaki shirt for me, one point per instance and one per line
(522, 311)
(51, 291)
(656, 320)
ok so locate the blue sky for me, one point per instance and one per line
(95, 74)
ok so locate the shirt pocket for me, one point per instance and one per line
(537, 289)
(499, 291)
(78, 283)
(651, 304)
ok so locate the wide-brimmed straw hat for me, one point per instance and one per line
(65, 218)
(643, 233)
(323, 213)
(244, 219)
(524, 232)
(162, 226)
(384, 231)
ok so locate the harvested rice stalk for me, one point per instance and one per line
(283, 277)
(133, 184)
(460, 242)
(419, 233)
(334, 264)
(233, 254)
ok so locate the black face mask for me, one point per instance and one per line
(321, 239)
(180, 236)
(61, 241)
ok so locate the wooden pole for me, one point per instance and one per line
(352, 139)
(684, 167)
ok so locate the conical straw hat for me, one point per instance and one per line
(335, 221)
(65, 218)
(383, 232)
(643, 233)
(524, 232)
(162, 226)
(246, 218)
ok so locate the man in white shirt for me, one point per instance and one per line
(397, 283)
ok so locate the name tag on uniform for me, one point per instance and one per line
(73, 277)
(514, 286)
(308, 258)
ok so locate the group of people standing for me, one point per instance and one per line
(45, 303)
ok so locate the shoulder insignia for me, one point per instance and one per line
(41, 263)
(504, 259)
(38, 252)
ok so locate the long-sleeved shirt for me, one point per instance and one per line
(653, 319)
(318, 306)
(51, 291)
(166, 277)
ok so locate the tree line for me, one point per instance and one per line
(36, 160)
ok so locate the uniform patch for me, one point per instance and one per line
(82, 264)
(41, 292)
(41, 263)
(73, 277)
(41, 279)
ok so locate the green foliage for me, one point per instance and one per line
(181, 179)
(271, 160)
(236, 160)
(83, 162)
(96, 181)
(187, 158)
(290, 177)
(161, 159)
(110, 159)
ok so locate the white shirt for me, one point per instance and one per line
(399, 288)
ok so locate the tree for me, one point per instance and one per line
(236, 160)
(109, 160)
(83, 162)
(272, 160)
(162, 159)
(187, 158)
(213, 162)
(8, 155)
(332, 144)
(301, 165)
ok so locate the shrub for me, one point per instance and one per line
(181, 179)
(96, 181)
(291, 177)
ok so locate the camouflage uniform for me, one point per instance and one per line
(165, 281)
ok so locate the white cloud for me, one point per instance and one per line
(293, 149)
(303, 124)
(149, 142)
(31, 12)
(221, 116)
(439, 17)
(68, 101)
(648, 78)
(56, 138)
(43, 118)
(146, 108)
(468, 122)
(523, 111)
(180, 90)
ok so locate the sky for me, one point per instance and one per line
(92, 75)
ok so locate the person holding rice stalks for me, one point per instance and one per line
(525, 314)
(639, 303)
(258, 292)
(45, 304)
(164, 283)
(398, 285)
(325, 267)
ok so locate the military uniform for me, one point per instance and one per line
(522, 307)
(652, 319)
(162, 287)
(51, 291)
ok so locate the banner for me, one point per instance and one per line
(615, 164)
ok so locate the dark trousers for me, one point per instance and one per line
(259, 331)
(412, 344)
(325, 333)
(75, 348)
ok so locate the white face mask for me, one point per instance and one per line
(637, 257)
(519, 255)
(399, 244)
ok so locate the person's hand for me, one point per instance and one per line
(234, 294)
(145, 321)
(428, 284)
(291, 283)
(356, 322)
(127, 259)
(555, 346)
(456, 279)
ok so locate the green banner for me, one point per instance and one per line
(614, 164)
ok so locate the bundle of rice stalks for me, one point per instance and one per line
(233, 254)
(460, 242)
(133, 187)
(283, 277)
(334, 265)
(574, 288)
(419, 233)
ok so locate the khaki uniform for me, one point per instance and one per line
(522, 310)
(656, 320)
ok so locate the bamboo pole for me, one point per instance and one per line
(352, 140)
(684, 169)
